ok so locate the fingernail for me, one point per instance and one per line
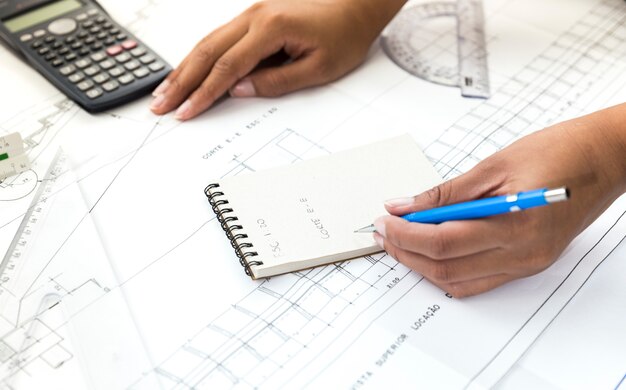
(379, 224)
(395, 202)
(160, 90)
(157, 102)
(379, 240)
(243, 88)
(183, 111)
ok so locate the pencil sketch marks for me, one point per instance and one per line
(18, 187)
(39, 126)
(282, 326)
(272, 333)
(567, 79)
(287, 147)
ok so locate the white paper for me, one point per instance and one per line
(202, 323)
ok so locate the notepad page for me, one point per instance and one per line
(305, 214)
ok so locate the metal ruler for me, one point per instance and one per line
(12, 157)
(421, 42)
(15, 257)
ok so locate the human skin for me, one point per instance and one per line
(324, 40)
(587, 154)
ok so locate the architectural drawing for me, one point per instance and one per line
(189, 318)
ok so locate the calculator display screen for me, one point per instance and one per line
(41, 14)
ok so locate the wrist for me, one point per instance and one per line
(374, 15)
(611, 134)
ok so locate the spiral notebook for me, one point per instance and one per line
(304, 215)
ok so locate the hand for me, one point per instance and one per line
(324, 40)
(469, 257)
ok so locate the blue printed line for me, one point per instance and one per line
(620, 383)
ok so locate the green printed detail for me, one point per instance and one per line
(4, 156)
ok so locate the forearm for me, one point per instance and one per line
(601, 136)
(613, 122)
(374, 15)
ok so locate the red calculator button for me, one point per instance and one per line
(129, 44)
(114, 50)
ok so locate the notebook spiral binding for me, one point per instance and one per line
(233, 231)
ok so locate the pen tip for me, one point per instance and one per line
(366, 229)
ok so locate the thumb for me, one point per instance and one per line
(469, 186)
(279, 80)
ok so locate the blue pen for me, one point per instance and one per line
(485, 207)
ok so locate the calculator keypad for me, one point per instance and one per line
(95, 54)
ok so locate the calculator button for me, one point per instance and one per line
(147, 59)
(89, 40)
(83, 63)
(157, 66)
(50, 57)
(70, 57)
(132, 65)
(121, 58)
(94, 93)
(114, 50)
(84, 51)
(95, 30)
(100, 19)
(110, 85)
(126, 79)
(141, 72)
(56, 63)
(96, 46)
(43, 51)
(88, 24)
(129, 44)
(67, 69)
(107, 64)
(56, 45)
(85, 85)
(121, 37)
(107, 25)
(63, 51)
(117, 71)
(81, 17)
(99, 56)
(109, 41)
(93, 69)
(76, 77)
(83, 34)
(49, 39)
(101, 78)
(138, 51)
(101, 35)
(37, 44)
(92, 12)
(69, 40)
(76, 45)
(62, 26)
(39, 33)
(114, 31)
(26, 37)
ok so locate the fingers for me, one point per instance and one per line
(476, 286)
(233, 65)
(195, 67)
(463, 276)
(453, 270)
(441, 241)
(472, 185)
(280, 80)
(461, 257)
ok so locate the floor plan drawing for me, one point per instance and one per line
(132, 252)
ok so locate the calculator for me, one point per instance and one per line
(78, 47)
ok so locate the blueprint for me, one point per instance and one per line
(133, 284)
